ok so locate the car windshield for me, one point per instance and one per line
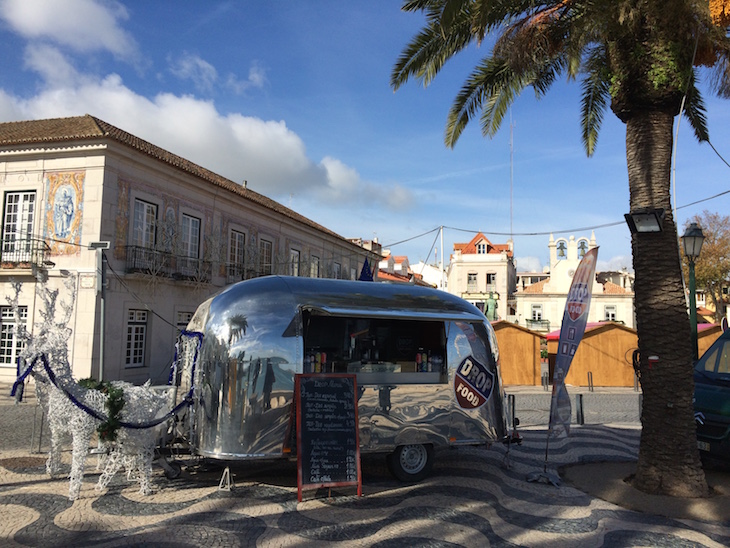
(717, 359)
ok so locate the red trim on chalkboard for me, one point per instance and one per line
(297, 397)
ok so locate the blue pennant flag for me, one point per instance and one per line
(366, 275)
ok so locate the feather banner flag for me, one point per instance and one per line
(571, 333)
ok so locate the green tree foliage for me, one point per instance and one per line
(639, 58)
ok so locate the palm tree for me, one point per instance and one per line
(639, 57)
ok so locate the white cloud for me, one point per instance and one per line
(81, 25)
(345, 186)
(256, 79)
(617, 263)
(194, 68)
(205, 77)
(528, 264)
(266, 153)
(10, 107)
(51, 64)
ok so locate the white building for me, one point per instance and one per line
(432, 274)
(177, 233)
(541, 305)
(479, 271)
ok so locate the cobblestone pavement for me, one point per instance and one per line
(474, 497)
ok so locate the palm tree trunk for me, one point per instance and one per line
(669, 461)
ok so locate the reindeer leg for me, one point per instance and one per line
(81, 440)
(112, 464)
(53, 464)
(145, 458)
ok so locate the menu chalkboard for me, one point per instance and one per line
(328, 447)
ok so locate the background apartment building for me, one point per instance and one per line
(484, 274)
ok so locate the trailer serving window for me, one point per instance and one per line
(378, 350)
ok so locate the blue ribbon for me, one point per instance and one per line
(187, 400)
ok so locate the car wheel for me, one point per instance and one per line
(411, 463)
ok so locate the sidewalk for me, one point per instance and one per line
(603, 405)
(474, 497)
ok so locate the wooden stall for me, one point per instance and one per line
(519, 353)
(605, 351)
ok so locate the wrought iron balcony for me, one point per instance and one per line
(538, 325)
(24, 253)
(237, 272)
(161, 263)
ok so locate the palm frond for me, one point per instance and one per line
(546, 73)
(694, 111)
(492, 87)
(427, 52)
(720, 79)
(451, 25)
(595, 97)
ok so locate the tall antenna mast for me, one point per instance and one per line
(511, 171)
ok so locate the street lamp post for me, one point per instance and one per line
(692, 244)
(99, 247)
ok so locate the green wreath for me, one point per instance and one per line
(114, 403)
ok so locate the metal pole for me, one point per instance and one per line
(579, 415)
(693, 308)
(511, 405)
(100, 289)
(443, 274)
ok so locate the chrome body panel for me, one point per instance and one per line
(253, 346)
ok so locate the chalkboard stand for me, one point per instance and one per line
(328, 443)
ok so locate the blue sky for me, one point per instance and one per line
(294, 97)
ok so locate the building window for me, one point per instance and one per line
(190, 246)
(145, 218)
(18, 226)
(472, 285)
(314, 267)
(10, 342)
(337, 271)
(236, 255)
(190, 236)
(136, 338)
(609, 313)
(491, 281)
(266, 251)
(294, 257)
(353, 273)
(536, 312)
(183, 319)
(481, 248)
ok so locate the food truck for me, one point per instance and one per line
(425, 362)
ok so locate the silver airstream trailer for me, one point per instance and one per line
(425, 363)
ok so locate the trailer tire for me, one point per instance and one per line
(411, 463)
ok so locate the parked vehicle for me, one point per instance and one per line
(712, 399)
(426, 366)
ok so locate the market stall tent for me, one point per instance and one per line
(519, 353)
(605, 353)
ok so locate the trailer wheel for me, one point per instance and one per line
(411, 463)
